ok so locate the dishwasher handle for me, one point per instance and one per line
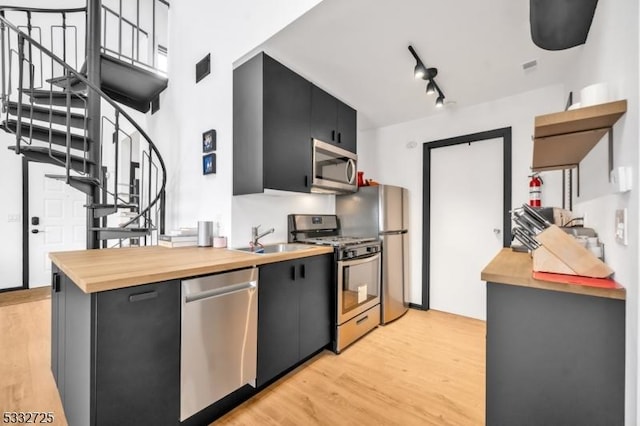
(219, 292)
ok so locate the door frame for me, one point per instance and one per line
(25, 229)
(505, 134)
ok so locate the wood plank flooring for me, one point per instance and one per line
(426, 368)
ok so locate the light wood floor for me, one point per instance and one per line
(426, 368)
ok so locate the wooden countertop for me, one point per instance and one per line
(514, 268)
(109, 269)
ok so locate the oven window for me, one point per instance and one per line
(359, 285)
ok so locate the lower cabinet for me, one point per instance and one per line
(554, 358)
(116, 354)
(138, 355)
(294, 313)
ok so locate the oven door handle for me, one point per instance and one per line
(359, 261)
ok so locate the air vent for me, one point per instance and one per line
(203, 68)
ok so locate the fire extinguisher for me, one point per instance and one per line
(535, 190)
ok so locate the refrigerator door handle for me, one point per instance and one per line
(404, 231)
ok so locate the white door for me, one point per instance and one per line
(62, 220)
(466, 224)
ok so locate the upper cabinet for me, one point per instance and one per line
(332, 121)
(271, 142)
(273, 112)
(563, 139)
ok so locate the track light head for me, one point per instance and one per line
(440, 101)
(431, 88)
(420, 71)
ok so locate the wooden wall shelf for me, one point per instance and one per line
(563, 139)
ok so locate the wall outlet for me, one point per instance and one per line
(621, 226)
(13, 217)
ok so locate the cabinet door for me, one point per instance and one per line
(315, 289)
(138, 355)
(277, 320)
(347, 127)
(324, 116)
(287, 145)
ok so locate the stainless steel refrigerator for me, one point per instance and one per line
(382, 211)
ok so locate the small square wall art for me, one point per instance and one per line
(209, 164)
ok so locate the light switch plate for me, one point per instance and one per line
(621, 226)
(622, 179)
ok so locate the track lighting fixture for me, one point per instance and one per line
(420, 71)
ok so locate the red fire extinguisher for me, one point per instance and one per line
(535, 190)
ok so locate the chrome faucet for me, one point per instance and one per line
(255, 236)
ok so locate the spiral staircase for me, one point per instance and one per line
(79, 116)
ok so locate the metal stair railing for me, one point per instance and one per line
(74, 84)
(129, 30)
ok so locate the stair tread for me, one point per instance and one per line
(36, 127)
(78, 178)
(119, 205)
(55, 97)
(45, 151)
(117, 228)
(44, 110)
(43, 93)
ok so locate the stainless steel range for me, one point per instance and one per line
(357, 278)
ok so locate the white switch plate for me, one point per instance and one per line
(622, 179)
(621, 226)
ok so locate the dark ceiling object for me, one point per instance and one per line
(429, 74)
(560, 24)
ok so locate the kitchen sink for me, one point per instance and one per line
(274, 248)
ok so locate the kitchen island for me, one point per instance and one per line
(555, 352)
(116, 326)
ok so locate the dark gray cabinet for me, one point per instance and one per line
(294, 313)
(271, 142)
(332, 121)
(116, 354)
(138, 355)
(554, 358)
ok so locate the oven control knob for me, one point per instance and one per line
(372, 249)
(346, 254)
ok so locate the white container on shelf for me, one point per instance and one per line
(594, 94)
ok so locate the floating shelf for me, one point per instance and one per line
(563, 139)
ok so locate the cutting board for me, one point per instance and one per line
(577, 280)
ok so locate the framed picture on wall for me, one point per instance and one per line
(209, 141)
(209, 164)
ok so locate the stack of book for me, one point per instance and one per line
(179, 238)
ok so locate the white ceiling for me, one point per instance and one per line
(357, 50)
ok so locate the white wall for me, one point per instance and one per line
(611, 56)
(383, 154)
(227, 30)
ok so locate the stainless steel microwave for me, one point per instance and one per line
(334, 169)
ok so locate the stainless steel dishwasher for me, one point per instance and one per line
(219, 337)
